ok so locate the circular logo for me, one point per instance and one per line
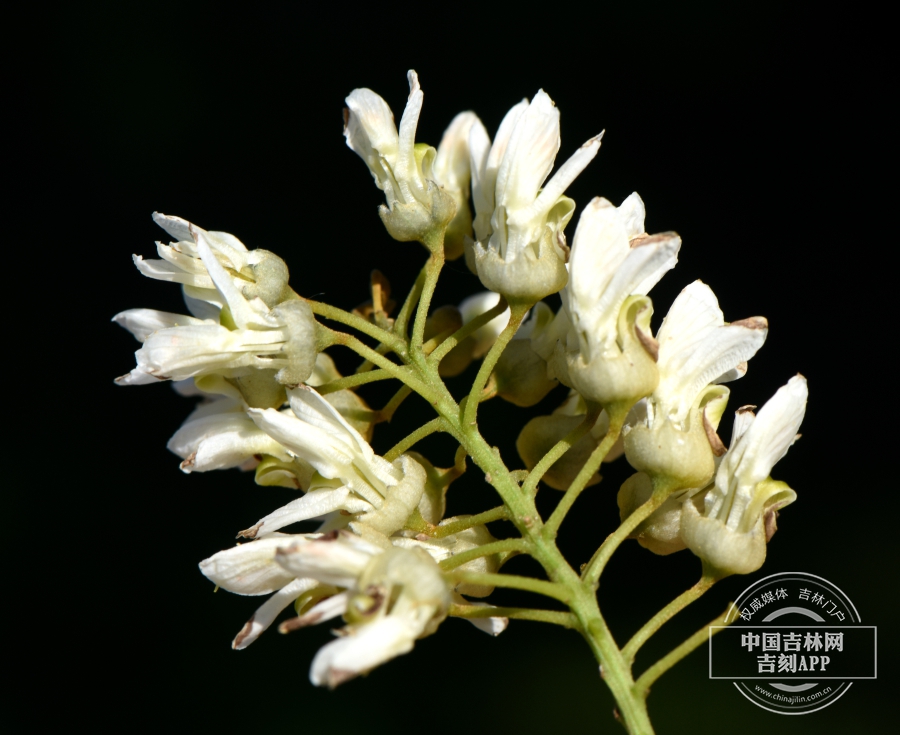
(795, 644)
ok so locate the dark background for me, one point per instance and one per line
(756, 134)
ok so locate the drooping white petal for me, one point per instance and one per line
(315, 503)
(251, 568)
(219, 435)
(364, 648)
(267, 612)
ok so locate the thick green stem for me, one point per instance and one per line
(496, 547)
(416, 436)
(557, 617)
(616, 419)
(516, 314)
(580, 597)
(630, 649)
(643, 684)
(594, 568)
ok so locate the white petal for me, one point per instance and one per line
(406, 168)
(770, 435)
(451, 163)
(250, 568)
(221, 440)
(366, 647)
(161, 270)
(564, 176)
(370, 130)
(143, 322)
(265, 615)
(313, 504)
(530, 154)
(177, 227)
(330, 561)
(693, 313)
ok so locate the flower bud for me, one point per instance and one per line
(542, 433)
(660, 532)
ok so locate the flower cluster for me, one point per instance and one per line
(382, 554)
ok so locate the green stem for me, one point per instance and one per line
(643, 684)
(359, 324)
(511, 581)
(516, 314)
(616, 419)
(351, 381)
(406, 311)
(466, 330)
(495, 547)
(387, 413)
(494, 514)
(557, 617)
(558, 450)
(413, 438)
(402, 373)
(432, 271)
(581, 598)
(630, 649)
(594, 568)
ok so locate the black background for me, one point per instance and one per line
(755, 133)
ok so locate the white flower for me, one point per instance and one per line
(247, 335)
(730, 526)
(181, 263)
(219, 435)
(673, 433)
(392, 598)
(404, 172)
(452, 171)
(610, 352)
(521, 253)
(251, 569)
(351, 477)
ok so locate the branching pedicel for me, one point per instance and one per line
(384, 557)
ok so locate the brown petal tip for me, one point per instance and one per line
(714, 441)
